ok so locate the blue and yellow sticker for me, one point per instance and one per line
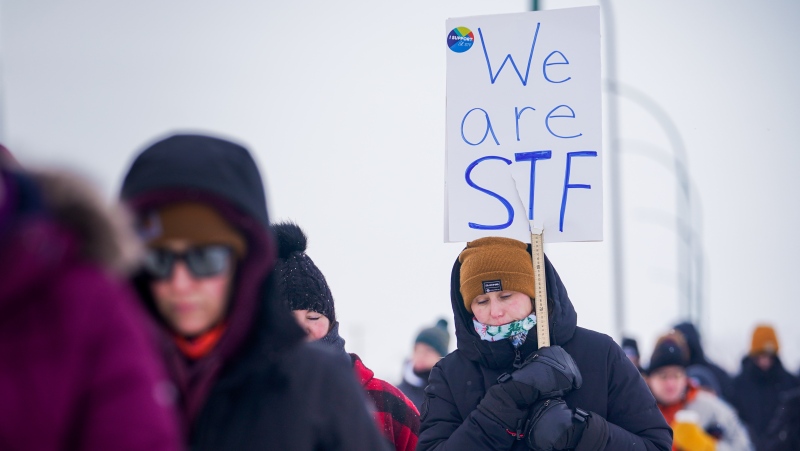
(460, 39)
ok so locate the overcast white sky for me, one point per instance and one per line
(343, 104)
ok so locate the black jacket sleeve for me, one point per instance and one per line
(349, 425)
(443, 429)
(634, 421)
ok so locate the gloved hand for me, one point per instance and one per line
(547, 373)
(691, 437)
(551, 371)
(554, 426)
(498, 405)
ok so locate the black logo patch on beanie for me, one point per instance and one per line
(492, 285)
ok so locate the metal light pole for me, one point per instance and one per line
(691, 291)
(691, 294)
(615, 176)
(689, 231)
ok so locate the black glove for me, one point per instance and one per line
(554, 426)
(498, 405)
(549, 372)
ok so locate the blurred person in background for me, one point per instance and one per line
(499, 391)
(697, 356)
(81, 369)
(710, 423)
(762, 379)
(783, 433)
(631, 349)
(430, 346)
(246, 378)
(703, 378)
(306, 293)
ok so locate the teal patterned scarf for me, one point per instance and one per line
(517, 331)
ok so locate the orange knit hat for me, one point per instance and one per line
(764, 341)
(495, 264)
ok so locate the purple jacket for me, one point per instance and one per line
(79, 370)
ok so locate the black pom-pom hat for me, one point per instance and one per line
(300, 282)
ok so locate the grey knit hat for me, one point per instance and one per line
(436, 337)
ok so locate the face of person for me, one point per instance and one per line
(668, 384)
(424, 357)
(190, 304)
(314, 323)
(501, 307)
(763, 361)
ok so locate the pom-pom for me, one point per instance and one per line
(290, 238)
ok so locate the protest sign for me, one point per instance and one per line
(523, 126)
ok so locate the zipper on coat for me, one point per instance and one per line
(517, 359)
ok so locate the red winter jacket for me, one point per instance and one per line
(396, 415)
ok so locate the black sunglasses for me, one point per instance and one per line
(202, 261)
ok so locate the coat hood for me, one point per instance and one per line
(104, 232)
(696, 354)
(364, 374)
(223, 175)
(500, 354)
(198, 165)
(54, 220)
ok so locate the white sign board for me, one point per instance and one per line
(523, 139)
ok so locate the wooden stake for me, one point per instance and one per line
(540, 303)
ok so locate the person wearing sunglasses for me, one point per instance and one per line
(246, 378)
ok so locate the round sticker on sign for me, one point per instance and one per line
(460, 39)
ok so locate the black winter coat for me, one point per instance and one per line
(612, 387)
(757, 395)
(783, 433)
(302, 398)
(414, 393)
(413, 385)
(261, 386)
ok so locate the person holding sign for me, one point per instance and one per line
(499, 391)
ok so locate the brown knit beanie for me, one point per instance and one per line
(495, 264)
(764, 341)
(194, 222)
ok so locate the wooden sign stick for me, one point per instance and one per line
(540, 302)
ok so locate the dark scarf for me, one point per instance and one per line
(333, 340)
